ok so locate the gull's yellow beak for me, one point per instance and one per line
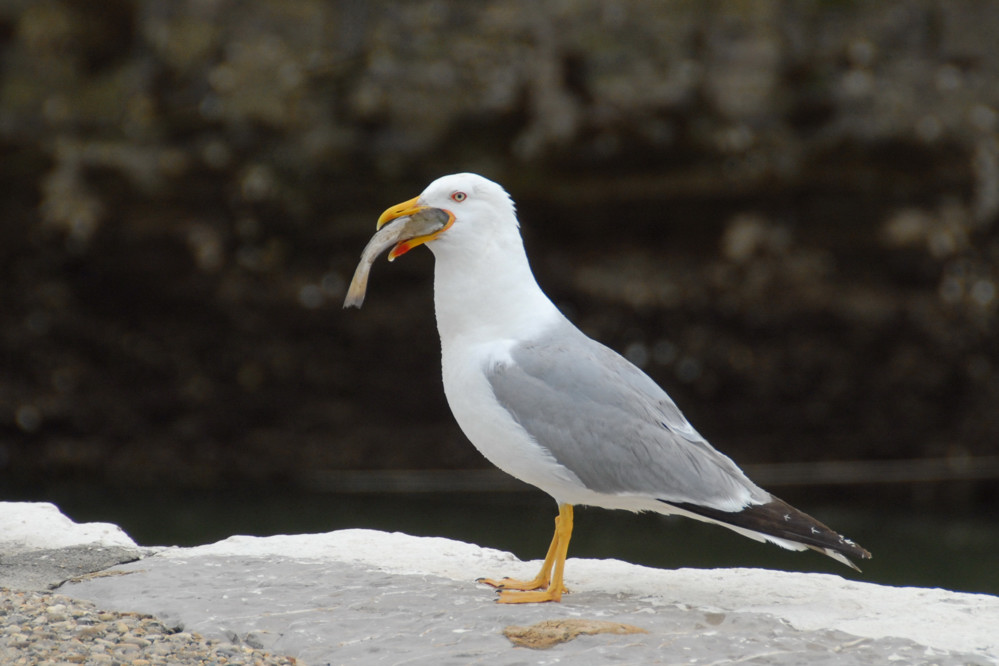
(405, 209)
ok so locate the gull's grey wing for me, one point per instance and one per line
(610, 424)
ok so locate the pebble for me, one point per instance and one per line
(46, 629)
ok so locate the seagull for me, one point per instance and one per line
(561, 411)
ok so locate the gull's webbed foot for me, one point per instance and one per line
(529, 596)
(514, 584)
(547, 585)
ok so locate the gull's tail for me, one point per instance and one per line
(779, 522)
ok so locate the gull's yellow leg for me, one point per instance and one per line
(539, 581)
(547, 585)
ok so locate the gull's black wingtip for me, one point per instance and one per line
(780, 520)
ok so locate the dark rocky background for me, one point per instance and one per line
(788, 213)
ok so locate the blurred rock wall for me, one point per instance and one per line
(786, 212)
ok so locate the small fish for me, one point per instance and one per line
(422, 223)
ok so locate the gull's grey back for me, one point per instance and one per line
(610, 424)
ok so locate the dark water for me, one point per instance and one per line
(910, 547)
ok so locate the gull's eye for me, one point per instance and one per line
(458, 196)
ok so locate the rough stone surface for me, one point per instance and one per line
(348, 609)
(368, 597)
(46, 569)
(40, 548)
(349, 614)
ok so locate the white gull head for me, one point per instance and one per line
(483, 284)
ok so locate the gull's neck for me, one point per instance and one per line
(488, 293)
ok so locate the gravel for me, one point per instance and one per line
(46, 629)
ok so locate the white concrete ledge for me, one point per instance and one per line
(368, 597)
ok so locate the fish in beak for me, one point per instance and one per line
(405, 226)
